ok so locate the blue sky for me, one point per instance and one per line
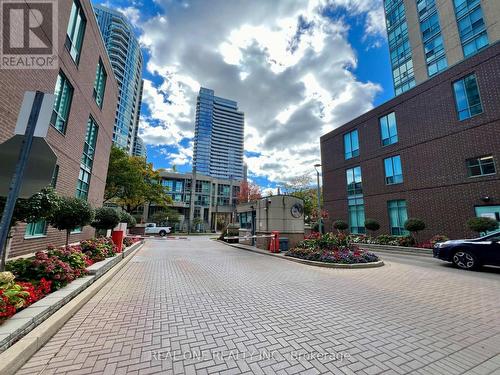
(298, 69)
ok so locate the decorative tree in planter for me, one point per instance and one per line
(72, 213)
(340, 225)
(106, 218)
(414, 226)
(482, 224)
(39, 206)
(125, 217)
(372, 225)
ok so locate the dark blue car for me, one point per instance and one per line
(470, 254)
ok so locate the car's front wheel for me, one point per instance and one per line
(465, 260)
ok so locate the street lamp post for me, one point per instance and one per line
(320, 224)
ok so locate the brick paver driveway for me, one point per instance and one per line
(197, 306)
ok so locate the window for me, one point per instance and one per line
(481, 166)
(351, 145)
(388, 129)
(393, 170)
(64, 95)
(83, 184)
(467, 97)
(356, 210)
(38, 229)
(55, 175)
(471, 26)
(354, 181)
(76, 31)
(430, 27)
(100, 84)
(397, 217)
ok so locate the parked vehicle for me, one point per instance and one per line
(470, 254)
(152, 228)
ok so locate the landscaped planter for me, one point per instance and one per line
(28, 318)
(398, 249)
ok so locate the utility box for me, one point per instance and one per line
(281, 213)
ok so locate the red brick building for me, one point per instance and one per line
(82, 121)
(431, 153)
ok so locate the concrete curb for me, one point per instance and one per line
(18, 354)
(380, 263)
(397, 250)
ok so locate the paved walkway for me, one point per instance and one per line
(197, 306)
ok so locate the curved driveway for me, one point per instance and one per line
(198, 306)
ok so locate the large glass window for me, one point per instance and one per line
(467, 97)
(87, 161)
(354, 181)
(471, 26)
(76, 31)
(482, 166)
(356, 210)
(393, 170)
(38, 229)
(388, 129)
(351, 145)
(100, 84)
(64, 95)
(397, 217)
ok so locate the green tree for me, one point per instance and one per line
(167, 216)
(125, 217)
(70, 214)
(132, 182)
(106, 218)
(482, 224)
(340, 225)
(414, 225)
(372, 225)
(302, 187)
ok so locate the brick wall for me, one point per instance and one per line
(69, 146)
(433, 146)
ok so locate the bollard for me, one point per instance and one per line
(117, 237)
(275, 242)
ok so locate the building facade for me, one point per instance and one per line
(212, 201)
(127, 61)
(218, 141)
(428, 36)
(82, 120)
(431, 153)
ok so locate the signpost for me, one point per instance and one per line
(33, 121)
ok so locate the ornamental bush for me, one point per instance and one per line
(372, 225)
(98, 249)
(340, 225)
(482, 224)
(125, 217)
(72, 255)
(129, 241)
(414, 225)
(106, 218)
(42, 265)
(70, 214)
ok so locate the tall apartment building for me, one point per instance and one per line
(126, 58)
(81, 127)
(211, 200)
(428, 36)
(219, 132)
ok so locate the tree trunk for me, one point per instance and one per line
(68, 232)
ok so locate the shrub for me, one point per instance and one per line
(230, 230)
(482, 224)
(73, 256)
(414, 225)
(406, 241)
(106, 218)
(49, 267)
(129, 241)
(71, 213)
(125, 217)
(98, 249)
(438, 238)
(372, 225)
(340, 225)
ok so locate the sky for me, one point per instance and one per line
(297, 68)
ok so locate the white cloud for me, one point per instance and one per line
(287, 65)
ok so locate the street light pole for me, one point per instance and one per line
(320, 224)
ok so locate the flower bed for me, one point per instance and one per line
(331, 248)
(129, 241)
(405, 241)
(27, 280)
